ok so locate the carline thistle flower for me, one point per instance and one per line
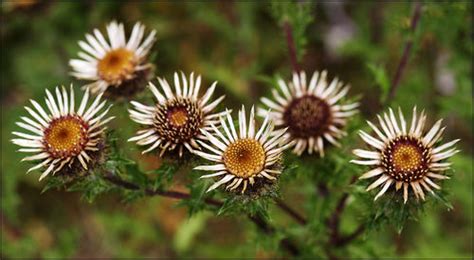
(243, 158)
(117, 65)
(405, 157)
(312, 113)
(62, 135)
(176, 119)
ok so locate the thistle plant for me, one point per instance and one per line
(318, 163)
(116, 66)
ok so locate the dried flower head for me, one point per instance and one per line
(311, 113)
(176, 119)
(116, 66)
(245, 158)
(62, 136)
(405, 157)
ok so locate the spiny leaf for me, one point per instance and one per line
(441, 197)
(381, 79)
(53, 183)
(164, 175)
(91, 186)
(195, 203)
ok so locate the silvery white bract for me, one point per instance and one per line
(241, 158)
(312, 112)
(406, 157)
(177, 117)
(60, 135)
(110, 63)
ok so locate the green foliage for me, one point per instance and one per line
(195, 203)
(456, 14)
(164, 175)
(91, 186)
(299, 15)
(243, 204)
(53, 183)
(381, 79)
(391, 210)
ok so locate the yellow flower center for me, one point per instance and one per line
(406, 157)
(117, 65)
(178, 120)
(244, 158)
(178, 116)
(66, 136)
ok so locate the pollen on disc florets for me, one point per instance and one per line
(405, 156)
(247, 162)
(244, 158)
(66, 136)
(307, 116)
(178, 120)
(175, 121)
(97, 157)
(406, 159)
(117, 65)
(117, 62)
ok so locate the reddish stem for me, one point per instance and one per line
(291, 46)
(406, 54)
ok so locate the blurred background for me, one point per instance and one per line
(241, 45)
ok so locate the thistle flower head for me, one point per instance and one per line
(245, 159)
(117, 66)
(176, 119)
(311, 112)
(62, 136)
(406, 157)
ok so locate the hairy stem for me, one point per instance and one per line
(291, 46)
(406, 54)
(333, 222)
(291, 212)
(264, 226)
(336, 239)
(342, 241)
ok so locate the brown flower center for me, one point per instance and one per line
(177, 116)
(178, 120)
(406, 159)
(244, 158)
(117, 65)
(66, 136)
(307, 116)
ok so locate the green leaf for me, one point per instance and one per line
(53, 183)
(91, 186)
(441, 197)
(299, 15)
(381, 79)
(228, 206)
(195, 203)
(164, 175)
(135, 175)
(243, 204)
